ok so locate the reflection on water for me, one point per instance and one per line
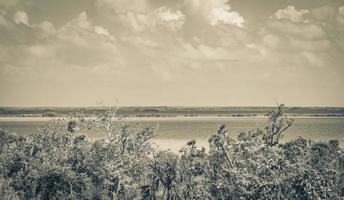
(174, 133)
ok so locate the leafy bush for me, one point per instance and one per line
(60, 162)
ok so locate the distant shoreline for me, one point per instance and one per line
(172, 113)
(43, 119)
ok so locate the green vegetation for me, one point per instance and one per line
(59, 162)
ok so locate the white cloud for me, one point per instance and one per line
(102, 31)
(290, 13)
(203, 52)
(78, 43)
(20, 17)
(341, 10)
(46, 28)
(167, 14)
(219, 15)
(174, 20)
(93, 44)
(81, 21)
(151, 21)
(340, 16)
(215, 12)
(80, 31)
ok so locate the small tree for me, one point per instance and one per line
(277, 124)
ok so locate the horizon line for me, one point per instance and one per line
(171, 106)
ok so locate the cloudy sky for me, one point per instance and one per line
(171, 52)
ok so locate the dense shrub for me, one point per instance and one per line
(59, 162)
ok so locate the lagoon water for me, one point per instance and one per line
(173, 133)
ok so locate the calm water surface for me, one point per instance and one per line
(174, 133)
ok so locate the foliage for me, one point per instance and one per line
(61, 162)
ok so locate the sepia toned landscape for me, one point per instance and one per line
(171, 99)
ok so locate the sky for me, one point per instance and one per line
(171, 52)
